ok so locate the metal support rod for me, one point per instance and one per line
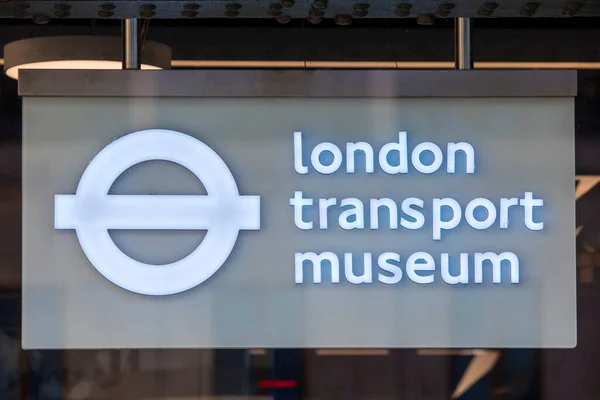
(462, 43)
(131, 44)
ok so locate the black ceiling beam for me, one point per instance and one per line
(42, 10)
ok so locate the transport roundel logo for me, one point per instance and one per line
(92, 212)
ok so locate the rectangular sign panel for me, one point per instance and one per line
(298, 222)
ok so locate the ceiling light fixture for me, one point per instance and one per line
(78, 52)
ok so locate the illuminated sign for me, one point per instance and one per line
(298, 222)
(92, 212)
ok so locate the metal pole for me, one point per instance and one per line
(131, 44)
(462, 43)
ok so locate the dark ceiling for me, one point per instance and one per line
(343, 11)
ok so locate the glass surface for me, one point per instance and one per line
(290, 374)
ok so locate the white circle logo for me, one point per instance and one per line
(91, 212)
